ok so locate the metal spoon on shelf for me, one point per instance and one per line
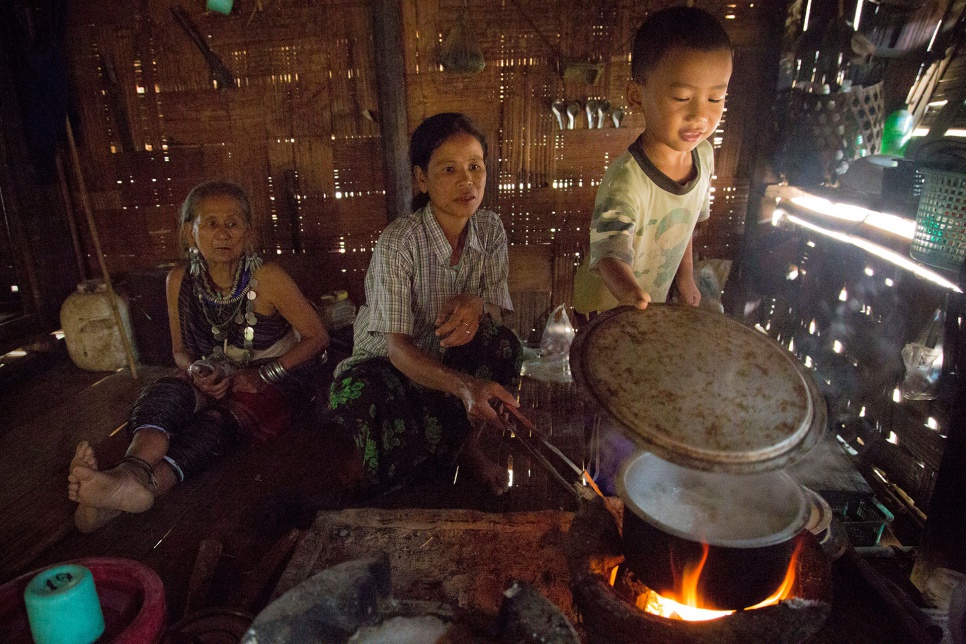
(572, 111)
(558, 107)
(602, 108)
(617, 116)
(591, 108)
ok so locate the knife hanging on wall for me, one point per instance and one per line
(115, 100)
(220, 74)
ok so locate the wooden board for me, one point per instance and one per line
(460, 557)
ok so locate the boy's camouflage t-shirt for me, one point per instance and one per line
(645, 219)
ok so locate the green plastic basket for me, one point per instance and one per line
(941, 220)
(864, 519)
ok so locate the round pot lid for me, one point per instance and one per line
(698, 388)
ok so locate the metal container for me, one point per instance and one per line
(749, 524)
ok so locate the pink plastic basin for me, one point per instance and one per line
(131, 596)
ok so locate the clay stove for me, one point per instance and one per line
(610, 613)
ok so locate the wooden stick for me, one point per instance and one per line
(71, 217)
(86, 204)
(583, 473)
(209, 551)
(268, 567)
(917, 624)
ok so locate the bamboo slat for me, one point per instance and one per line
(294, 132)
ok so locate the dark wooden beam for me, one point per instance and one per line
(943, 542)
(393, 123)
(32, 209)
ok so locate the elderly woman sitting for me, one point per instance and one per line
(246, 342)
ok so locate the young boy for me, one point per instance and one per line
(652, 196)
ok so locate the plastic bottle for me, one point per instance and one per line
(338, 311)
(896, 132)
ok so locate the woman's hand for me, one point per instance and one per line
(248, 381)
(459, 320)
(210, 382)
(478, 397)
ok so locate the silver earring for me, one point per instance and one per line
(252, 262)
(196, 263)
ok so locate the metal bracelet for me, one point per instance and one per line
(280, 371)
(145, 468)
(272, 372)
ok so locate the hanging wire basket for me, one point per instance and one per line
(836, 128)
(941, 220)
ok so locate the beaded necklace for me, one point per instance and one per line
(236, 308)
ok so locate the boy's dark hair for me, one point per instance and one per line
(431, 134)
(685, 27)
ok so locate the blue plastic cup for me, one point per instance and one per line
(63, 606)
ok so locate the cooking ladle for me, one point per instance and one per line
(572, 111)
(602, 108)
(558, 107)
(618, 116)
(591, 108)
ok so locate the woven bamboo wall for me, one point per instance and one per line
(298, 131)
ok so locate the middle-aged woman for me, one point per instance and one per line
(247, 346)
(430, 361)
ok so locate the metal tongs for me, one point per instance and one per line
(530, 447)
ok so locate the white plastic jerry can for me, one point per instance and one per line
(93, 340)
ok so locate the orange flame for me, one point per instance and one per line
(687, 605)
(690, 577)
(788, 583)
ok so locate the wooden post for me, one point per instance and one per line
(393, 120)
(86, 204)
(71, 222)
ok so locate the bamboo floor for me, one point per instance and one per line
(258, 501)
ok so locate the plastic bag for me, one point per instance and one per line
(710, 276)
(553, 363)
(924, 361)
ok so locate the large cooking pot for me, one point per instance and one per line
(719, 407)
(749, 522)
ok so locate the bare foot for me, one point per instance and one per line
(86, 517)
(495, 478)
(84, 457)
(103, 495)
